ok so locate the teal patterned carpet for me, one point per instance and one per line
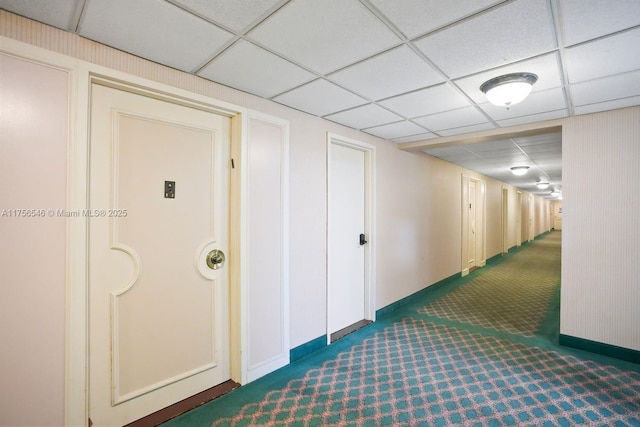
(512, 297)
(438, 362)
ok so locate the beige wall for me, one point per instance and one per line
(600, 248)
(33, 167)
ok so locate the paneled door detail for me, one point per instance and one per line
(158, 289)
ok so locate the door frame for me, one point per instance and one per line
(481, 211)
(78, 366)
(369, 223)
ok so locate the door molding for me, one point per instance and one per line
(369, 223)
(481, 212)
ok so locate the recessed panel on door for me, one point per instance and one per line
(158, 309)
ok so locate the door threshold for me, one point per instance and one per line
(179, 408)
(349, 329)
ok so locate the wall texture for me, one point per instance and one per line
(600, 248)
(33, 170)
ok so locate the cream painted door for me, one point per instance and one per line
(505, 220)
(472, 244)
(346, 255)
(518, 219)
(557, 220)
(158, 313)
(532, 215)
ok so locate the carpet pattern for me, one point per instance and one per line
(420, 373)
(417, 367)
(512, 296)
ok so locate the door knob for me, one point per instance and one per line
(362, 239)
(215, 259)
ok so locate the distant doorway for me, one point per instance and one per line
(519, 218)
(505, 220)
(473, 224)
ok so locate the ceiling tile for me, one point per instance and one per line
(426, 101)
(543, 149)
(504, 153)
(492, 39)
(364, 117)
(541, 117)
(606, 89)
(324, 35)
(252, 69)
(60, 13)
(416, 17)
(597, 18)
(413, 138)
(545, 67)
(466, 129)
(452, 119)
(540, 157)
(546, 138)
(537, 102)
(492, 146)
(158, 31)
(609, 105)
(603, 57)
(544, 155)
(320, 97)
(453, 154)
(234, 14)
(395, 130)
(397, 71)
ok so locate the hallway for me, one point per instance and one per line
(479, 351)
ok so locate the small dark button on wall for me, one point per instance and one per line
(169, 189)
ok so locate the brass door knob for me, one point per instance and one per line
(215, 259)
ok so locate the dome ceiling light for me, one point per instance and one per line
(542, 185)
(508, 90)
(519, 170)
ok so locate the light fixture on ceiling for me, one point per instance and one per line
(555, 193)
(519, 170)
(508, 90)
(543, 185)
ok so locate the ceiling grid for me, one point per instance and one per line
(403, 70)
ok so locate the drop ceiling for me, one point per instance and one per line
(405, 70)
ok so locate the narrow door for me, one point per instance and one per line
(532, 214)
(557, 224)
(346, 251)
(505, 220)
(472, 244)
(518, 218)
(158, 282)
